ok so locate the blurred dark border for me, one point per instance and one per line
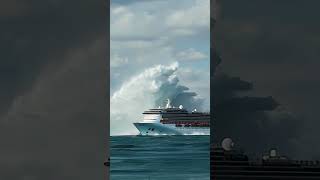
(54, 76)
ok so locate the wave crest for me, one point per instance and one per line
(146, 90)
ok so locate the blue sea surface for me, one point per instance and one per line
(160, 158)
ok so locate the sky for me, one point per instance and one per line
(269, 75)
(146, 34)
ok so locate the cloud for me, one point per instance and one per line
(243, 117)
(140, 32)
(194, 17)
(117, 61)
(148, 20)
(198, 81)
(139, 44)
(280, 58)
(190, 55)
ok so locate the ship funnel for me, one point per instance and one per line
(273, 153)
(168, 104)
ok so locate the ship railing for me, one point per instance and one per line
(308, 163)
(304, 163)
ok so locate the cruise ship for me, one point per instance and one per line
(229, 163)
(172, 120)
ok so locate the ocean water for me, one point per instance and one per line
(160, 158)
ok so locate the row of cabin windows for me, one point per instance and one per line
(193, 125)
(184, 122)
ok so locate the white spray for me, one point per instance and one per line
(147, 90)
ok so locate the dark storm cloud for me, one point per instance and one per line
(228, 86)
(274, 45)
(250, 120)
(255, 123)
(270, 31)
(287, 11)
(53, 89)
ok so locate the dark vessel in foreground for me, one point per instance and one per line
(228, 163)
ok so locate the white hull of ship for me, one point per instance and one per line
(169, 129)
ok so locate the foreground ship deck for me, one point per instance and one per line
(174, 121)
(229, 164)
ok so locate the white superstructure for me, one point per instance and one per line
(174, 121)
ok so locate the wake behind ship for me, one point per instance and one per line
(174, 121)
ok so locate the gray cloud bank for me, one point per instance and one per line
(274, 46)
(53, 89)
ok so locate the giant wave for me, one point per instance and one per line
(146, 90)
